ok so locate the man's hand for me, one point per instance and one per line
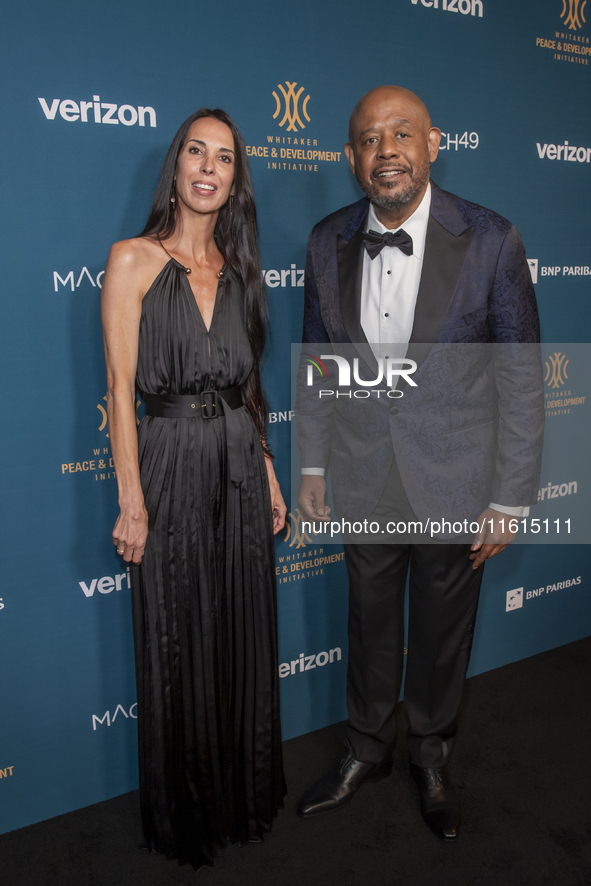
(493, 536)
(312, 496)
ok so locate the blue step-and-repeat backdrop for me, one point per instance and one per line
(92, 95)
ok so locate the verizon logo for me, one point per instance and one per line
(97, 111)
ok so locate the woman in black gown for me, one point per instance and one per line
(184, 321)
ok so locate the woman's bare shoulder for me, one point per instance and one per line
(134, 264)
(133, 254)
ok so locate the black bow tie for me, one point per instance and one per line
(374, 242)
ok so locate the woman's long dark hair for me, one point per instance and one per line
(236, 236)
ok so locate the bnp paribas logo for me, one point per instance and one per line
(556, 374)
(289, 105)
(573, 13)
(514, 600)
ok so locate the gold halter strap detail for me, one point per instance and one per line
(186, 270)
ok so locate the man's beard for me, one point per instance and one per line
(400, 197)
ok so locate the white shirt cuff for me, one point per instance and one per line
(317, 472)
(513, 512)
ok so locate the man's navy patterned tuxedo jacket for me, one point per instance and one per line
(471, 430)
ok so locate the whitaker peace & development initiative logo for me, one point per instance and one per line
(287, 149)
(556, 374)
(568, 46)
(559, 402)
(302, 564)
(573, 13)
(291, 100)
(97, 462)
(104, 419)
(559, 399)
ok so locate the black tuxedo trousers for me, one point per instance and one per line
(443, 599)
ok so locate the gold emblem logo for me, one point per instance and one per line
(291, 100)
(294, 531)
(572, 13)
(103, 413)
(556, 374)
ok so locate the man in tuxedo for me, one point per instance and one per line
(411, 264)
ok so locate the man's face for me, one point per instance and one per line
(392, 146)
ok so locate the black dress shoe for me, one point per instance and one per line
(440, 806)
(337, 788)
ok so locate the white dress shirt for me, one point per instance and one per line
(390, 283)
(389, 289)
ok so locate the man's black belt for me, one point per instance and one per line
(206, 405)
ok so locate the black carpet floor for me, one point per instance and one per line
(522, 761)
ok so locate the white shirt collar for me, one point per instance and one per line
(415, 226)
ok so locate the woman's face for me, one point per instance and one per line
(205, 166)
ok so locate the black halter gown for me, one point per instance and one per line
(204, 608)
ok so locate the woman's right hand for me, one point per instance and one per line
(130, 533)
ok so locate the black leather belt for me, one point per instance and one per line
(206, 405)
